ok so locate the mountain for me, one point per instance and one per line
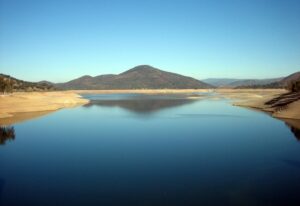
(281, 83)
(219, 82)
(239, 82)
(291, 78)
(139, 77)
(11, 84)
(251, 82)
(45, 82)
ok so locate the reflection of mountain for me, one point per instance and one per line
(141, 105)
(6, 134)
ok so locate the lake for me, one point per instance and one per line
(134, 149)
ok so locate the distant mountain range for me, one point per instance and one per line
(281, 83)
(143, 77)
(220, 82)
(139, 77)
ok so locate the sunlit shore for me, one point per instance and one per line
(257, 99)
(20, 106)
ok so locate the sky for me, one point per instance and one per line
(60, 40)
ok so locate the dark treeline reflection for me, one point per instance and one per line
(296, 132)
(141, 105)
(294, 126)
(7, 133)
(1, 188)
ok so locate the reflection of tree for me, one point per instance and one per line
(1, 187)
(294, 126)
(296, 132)
(6, 134)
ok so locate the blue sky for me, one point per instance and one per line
(59, 40)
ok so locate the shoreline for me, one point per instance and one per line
(277, 103)
(21, 106)
(141, 91)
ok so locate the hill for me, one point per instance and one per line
(139, 77)
(251, 82)
(282, 83)
(220, 82)
(289, 79)
(11, 84)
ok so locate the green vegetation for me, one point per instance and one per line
(9, 84)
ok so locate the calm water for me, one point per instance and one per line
(151, 150)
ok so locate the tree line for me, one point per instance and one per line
(6, 85)
(9, 84)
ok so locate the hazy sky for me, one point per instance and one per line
(59, 40)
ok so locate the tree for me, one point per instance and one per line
(2, 85)
(294, 86)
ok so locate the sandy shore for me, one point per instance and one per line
(18, 107)
(256, 98)
(21, 106)
(26, 105)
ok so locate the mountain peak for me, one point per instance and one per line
(139, 77)
(141, 68)
(85, 77)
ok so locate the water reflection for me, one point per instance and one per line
(294, 163)
(296, 132)
(1, 188)
(294, 126)
(141, 105)
(7, 133)
(125, 160)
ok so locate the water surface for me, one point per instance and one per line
(151, 150)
